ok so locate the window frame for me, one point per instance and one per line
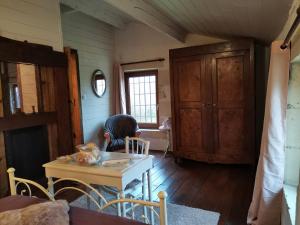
(142, 73)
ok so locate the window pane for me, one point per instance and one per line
(147, 86)
(137, 111)
(143, 98)
(141, 79)
(136, 88)
(137, 99)
(147, 97)
(153, 99)
(142, 88)
(143, 114)
(148, 114)
(152, 87)
(153, 114)
(152, 78)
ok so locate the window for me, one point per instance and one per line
(142, 97)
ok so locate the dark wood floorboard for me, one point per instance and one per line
(226, 189)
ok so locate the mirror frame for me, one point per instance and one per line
(93, 83)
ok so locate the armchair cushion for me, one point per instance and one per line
(116, 144)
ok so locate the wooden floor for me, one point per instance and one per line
(226, 189)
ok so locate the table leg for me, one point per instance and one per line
(168, 143)
(144, 195)
(150, 195)
(50, 185)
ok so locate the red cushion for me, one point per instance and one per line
(78, 216)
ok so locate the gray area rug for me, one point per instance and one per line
(177, 214)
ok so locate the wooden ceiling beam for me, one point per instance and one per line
(95, 11)
(147, 14)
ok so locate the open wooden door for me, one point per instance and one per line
(75, 104)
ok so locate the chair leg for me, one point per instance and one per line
(88, 202)
(122, 195)
(119, 205)
(150, 195)
(100, 199)
(144, 195)
(132, 210)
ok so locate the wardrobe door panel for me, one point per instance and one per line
(191, 128)
(189, 81)
(231, 130)
(190, 100)
(232, 106)
(230, 81)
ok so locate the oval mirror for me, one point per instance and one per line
(98, 83)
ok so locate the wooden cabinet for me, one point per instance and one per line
(213, 102)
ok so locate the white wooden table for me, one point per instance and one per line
(116, 176)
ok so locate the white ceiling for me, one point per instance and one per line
(98, 9)
(260, 19)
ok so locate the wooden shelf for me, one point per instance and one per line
(23, 121)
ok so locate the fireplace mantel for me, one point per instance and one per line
(23, 121)
(53, 96)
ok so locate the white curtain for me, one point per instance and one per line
(119, 90)
(265, 208)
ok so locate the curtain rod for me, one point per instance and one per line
(291, 31)
(144, 61)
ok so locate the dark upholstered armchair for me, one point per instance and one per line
(118, 127)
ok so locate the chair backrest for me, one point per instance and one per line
(136, 145)
(121, 125)
(92, 194)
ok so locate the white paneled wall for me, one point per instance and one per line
(94, 42)
(37, 21)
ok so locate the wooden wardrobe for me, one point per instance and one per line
(213, 102)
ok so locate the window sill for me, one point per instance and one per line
(153, 134)
(290, 194)
(149, 129)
